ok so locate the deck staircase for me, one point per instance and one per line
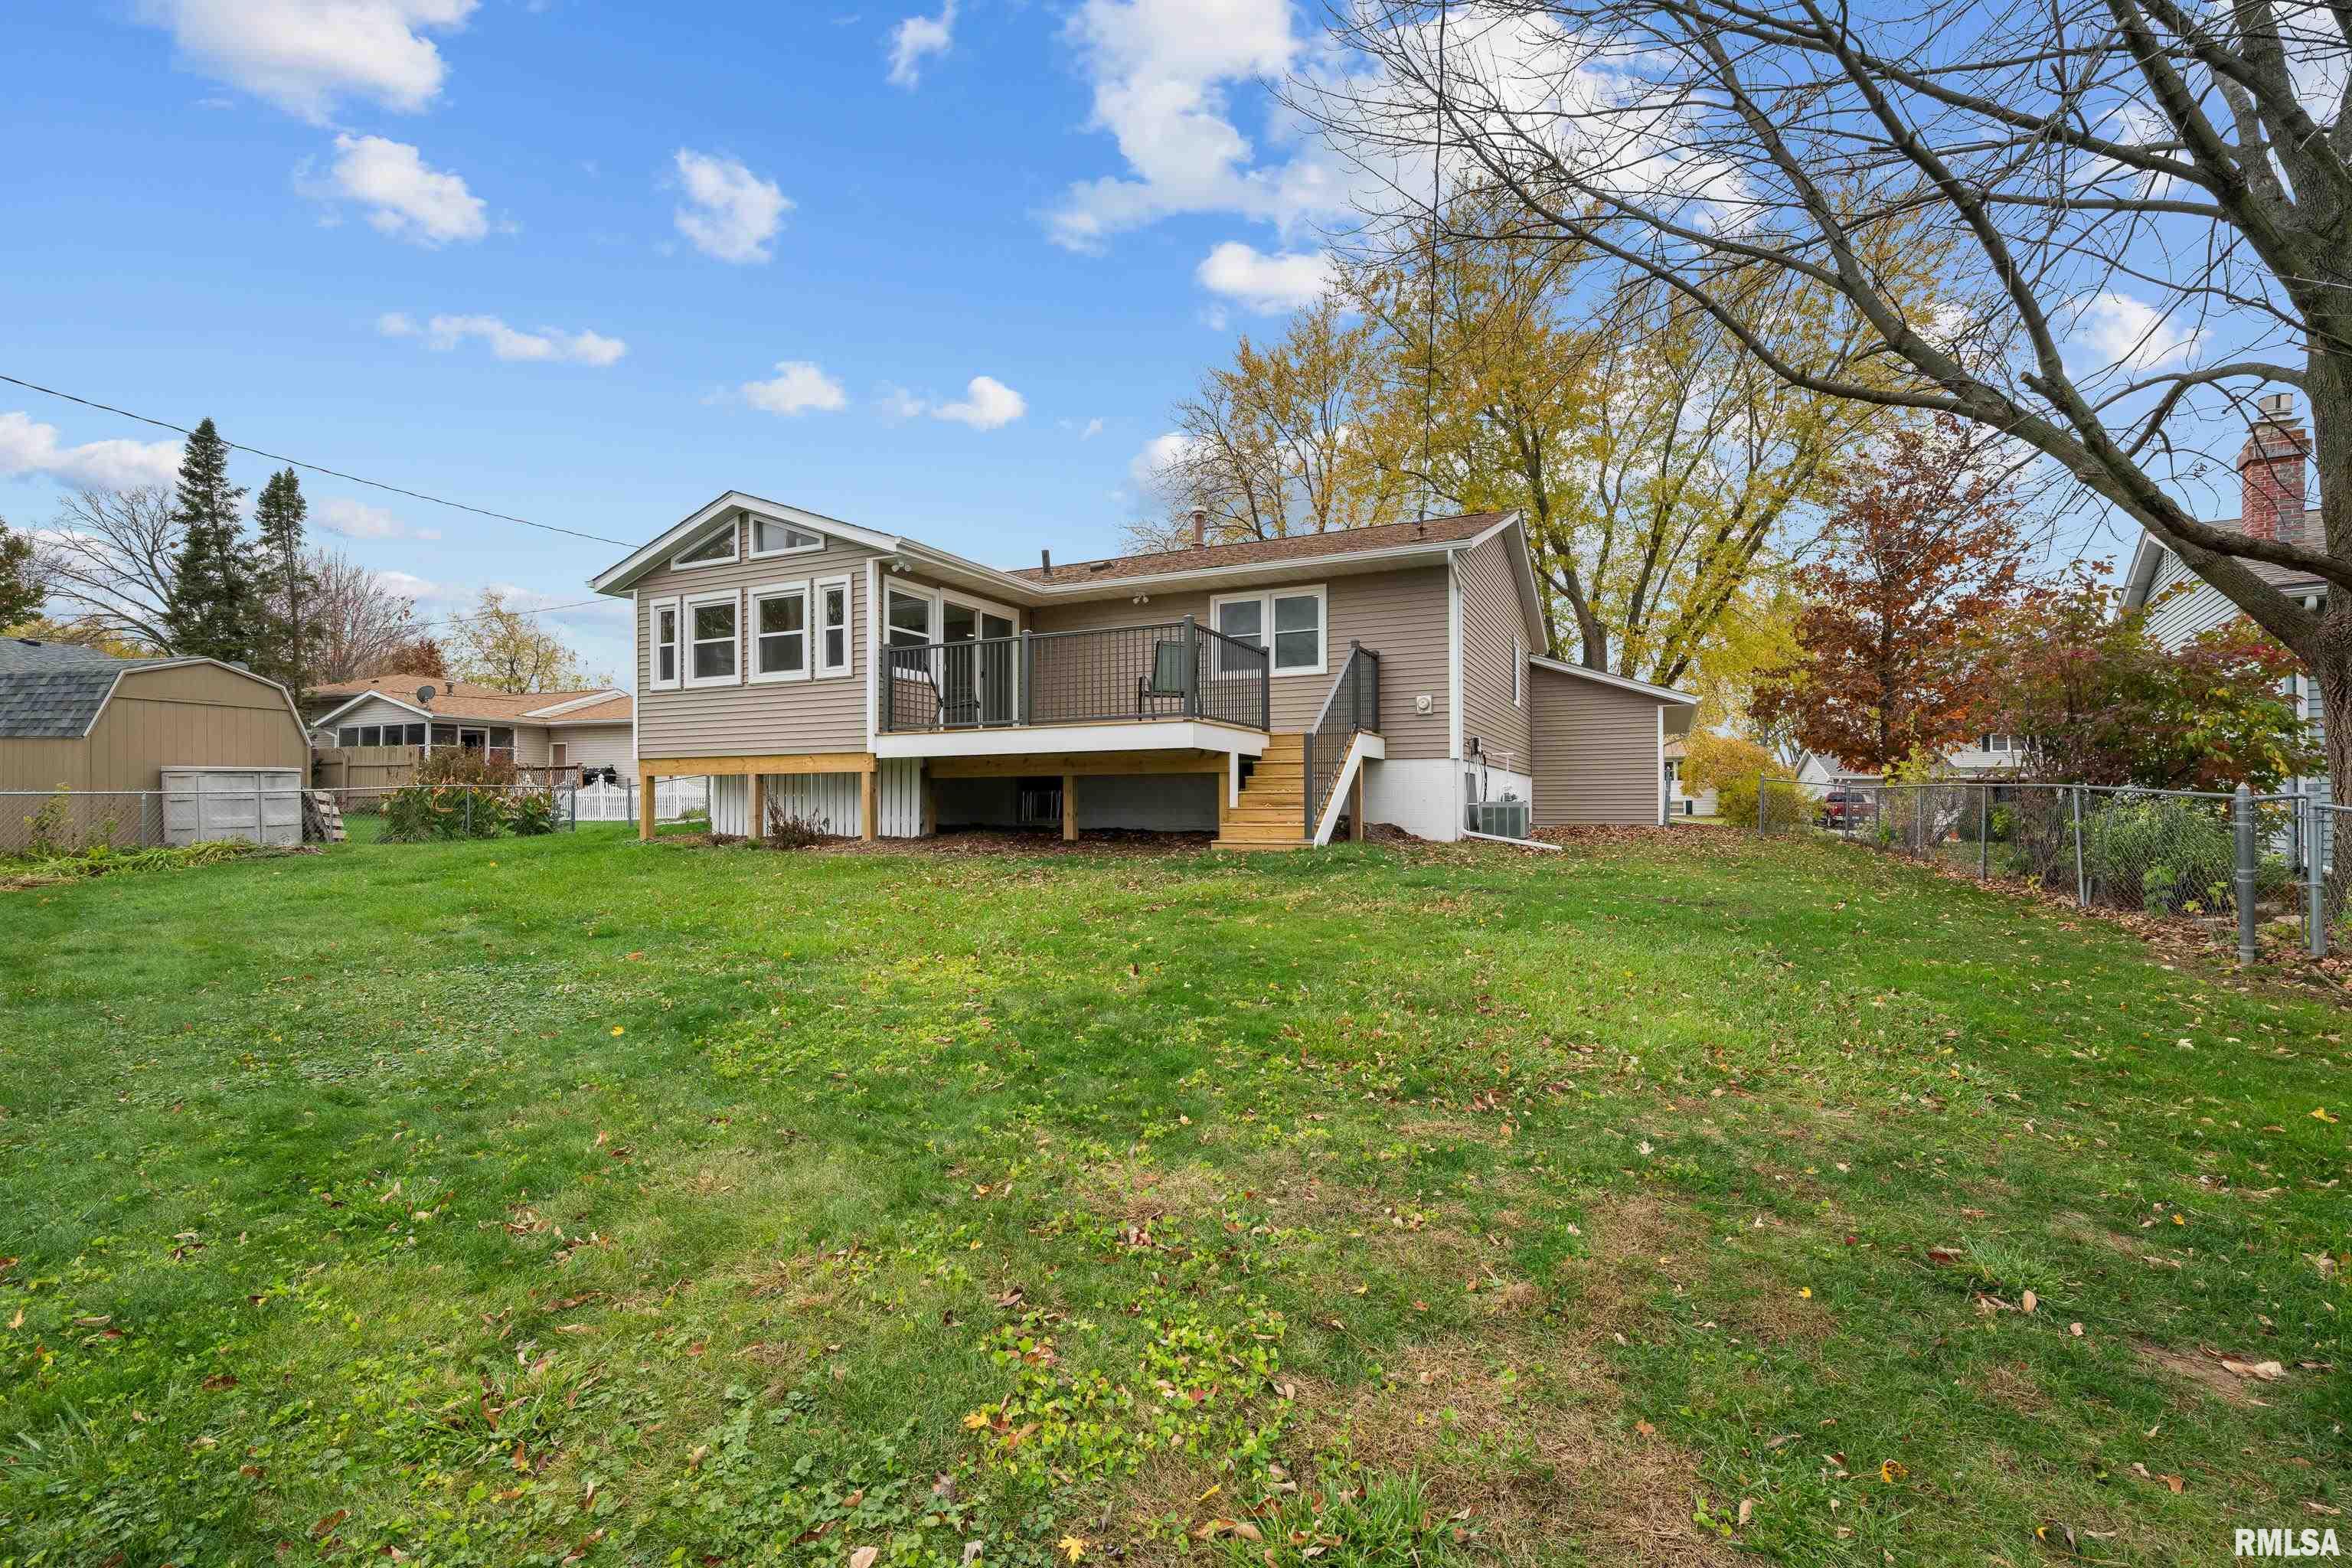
(1272, 811)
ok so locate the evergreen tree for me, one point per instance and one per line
(213, 609)
(288, 588)
(21, 592)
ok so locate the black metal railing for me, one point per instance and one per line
(1166, 669)
(1352, 707)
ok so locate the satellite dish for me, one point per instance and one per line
(424, 696)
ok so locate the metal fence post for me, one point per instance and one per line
(2248, 944)
(1760, 804)
(1984, 833)
(470, 814)
(2314, 874)
(2082, 888)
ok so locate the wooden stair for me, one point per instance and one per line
(1272, 812)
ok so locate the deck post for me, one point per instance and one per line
(1069, 809)
(930, 788)
(868, 805)
(1192, 668)
(646, 783)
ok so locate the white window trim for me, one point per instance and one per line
(686, 606)
(654, 608)
(734, 548)
(751, 521)
(818, 588)
(897, 670)
(752, 670)
(1266, 596)
(1518, 671)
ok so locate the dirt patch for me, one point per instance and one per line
(2204, 1371)
(1138, 1193)
(2012, 1387)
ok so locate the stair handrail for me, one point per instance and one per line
(1362, 667)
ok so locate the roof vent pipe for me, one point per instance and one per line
(1200, 526)
(1046, 563)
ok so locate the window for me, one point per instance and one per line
(1998, 744)
(833, 626)
(720, 547)
(779, 632)
(1293, 617)
(349, 735)
(711, 638)
(502, 739)
(558, 753)
(416, 735)
(1518, 671)
(444, 734)
(769, 537)
(663, 621)
(909, 623)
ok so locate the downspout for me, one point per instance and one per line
(636, 677)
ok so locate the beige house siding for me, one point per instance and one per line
(820, 714)
(193, 716)
(374, 711)
(592, 745)
(1400, 615)
(1491, 621)
(1597, 755)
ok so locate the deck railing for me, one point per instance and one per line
(1352, 707)
(1165, 670)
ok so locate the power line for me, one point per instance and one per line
(314, 467)
(503, 610)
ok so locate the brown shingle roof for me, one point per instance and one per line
(470, 699)
(1257, 552)
(617, 711)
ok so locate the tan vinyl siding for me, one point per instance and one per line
(592, 745)
(376, 711)
(819, 714)
(1596, 751)
(1402, 615)
(194, 716)
(1491, 618)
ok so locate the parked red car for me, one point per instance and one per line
(1846, 809)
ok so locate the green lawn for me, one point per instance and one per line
(1668, 1200)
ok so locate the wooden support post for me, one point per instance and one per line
(1069, 809)
(646, 783)
(867, 807)
(931, 804)
(758, 828)
(1356, 805)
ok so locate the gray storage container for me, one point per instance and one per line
(260, 806)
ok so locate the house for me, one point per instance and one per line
(1264, 691)
(2273, 503)
(1682, 801)
(559, 731)
(103, 726)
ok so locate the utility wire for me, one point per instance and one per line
(314, 467)
(1436, 190)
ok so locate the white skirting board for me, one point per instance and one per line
(830, 800)
(1421, 794)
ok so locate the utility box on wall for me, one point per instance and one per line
(260, 806)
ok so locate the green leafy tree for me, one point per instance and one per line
(214, 608)
(289, 590)
(21, 591)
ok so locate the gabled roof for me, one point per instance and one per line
(466, 699)
(55, 691)
(2148, 564)
(1663, 694)
(1463, 529)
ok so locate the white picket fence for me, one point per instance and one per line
(673, 799)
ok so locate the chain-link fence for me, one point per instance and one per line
(2233, 861)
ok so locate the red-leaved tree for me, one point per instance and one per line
(1922, 547)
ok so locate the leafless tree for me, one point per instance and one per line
(108, 561)
(2153, 202)
(361, 626)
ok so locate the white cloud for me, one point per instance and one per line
(797, 387)
(410, 586)
(916, 38)
(350, 519)
(1144, 469)
(1164, 73)
(1093, 429)
(405, 198)
(898, 403)
(1266, 284)
(304, 55)
(2117, 330)
(987, 404)
(547, 344)
(28, 446)
(731, 214)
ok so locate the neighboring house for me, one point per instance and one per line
(544, 729)
(1680, 800)
(73, 718)
(883, 686)
(2273, 503)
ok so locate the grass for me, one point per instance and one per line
(1669, 1200)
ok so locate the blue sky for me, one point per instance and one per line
(932, 268)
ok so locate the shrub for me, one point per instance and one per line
(531, 812)
(2165, 854)
(457, 793)
(45, 831)
(787, 830)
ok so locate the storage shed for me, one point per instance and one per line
(103, 727)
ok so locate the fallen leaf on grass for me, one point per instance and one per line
(864, 1557)
(1072, 1547)
(2029, 1302)
(2261, 1371)
(2319, 1113)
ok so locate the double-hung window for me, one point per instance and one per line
(662, 634)
(1292, 620)
(713, 651)
(779, 632)
(832, 615)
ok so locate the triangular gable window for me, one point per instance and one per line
(771, 537)
(719, 546)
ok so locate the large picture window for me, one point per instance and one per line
(779, 632)
(1291, 620)
(661, 632)
(712, 635)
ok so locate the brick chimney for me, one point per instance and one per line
(1200, 526)
(2270, 471)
